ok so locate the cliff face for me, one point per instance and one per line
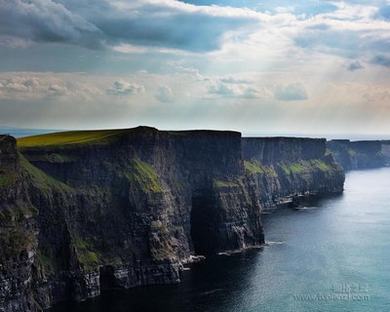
(386, 152)
(359, 154)
(283, 169)
(129, 208)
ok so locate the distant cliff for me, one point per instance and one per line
(285, 168)
(386, 152)
(359, 154)
(89, 210)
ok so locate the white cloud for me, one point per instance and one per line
(291, 92)
(121, 87)
(236, 88)
(164, 94)
(31, 86)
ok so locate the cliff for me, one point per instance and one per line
(284, 169)
(88, 210)
(386, 152)
(359, 154)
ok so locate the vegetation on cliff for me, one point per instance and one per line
(70, 137)
(254, 167)
(144, 175)
(86, 254)
(306, 166)
(40, 179)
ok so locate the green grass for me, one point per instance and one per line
(41, 179)
(298, 167)
(223, 184)
(306, 166)
(70, 137)
(145, 176)
(86, 256)
(323, 166)
(253, 167)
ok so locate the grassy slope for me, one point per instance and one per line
(70, 137)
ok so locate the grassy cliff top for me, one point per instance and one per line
(66, 138)
(70, 137)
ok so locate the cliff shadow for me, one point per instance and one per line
(204, 223)
(107, 278)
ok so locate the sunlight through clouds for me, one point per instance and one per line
(277, 63)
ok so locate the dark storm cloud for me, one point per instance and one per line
(99, 23)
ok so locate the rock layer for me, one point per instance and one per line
(129, 209)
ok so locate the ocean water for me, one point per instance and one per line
(331, 255)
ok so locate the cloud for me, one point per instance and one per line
(57, 90)
(121, 87)
(382, 60)
(45, 21)
(355, 65)
(164, 94)
(351, 32)
(30, 86)
(122, 23)
(227, 88)
(291, 92)
(234, 80)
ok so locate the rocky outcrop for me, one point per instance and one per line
(358, 154)
(129, 209)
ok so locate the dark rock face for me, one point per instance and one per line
(17, 233)
(278, 149)
(79, 218)
(283, 169)
(386, 152)
(359, 154)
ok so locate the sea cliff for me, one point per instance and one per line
(352, 155)
(89, 210)
(283, 170)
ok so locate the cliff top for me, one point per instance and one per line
(282, 138)
(106, 136)
(70, 137)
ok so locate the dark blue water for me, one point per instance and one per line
(333, 255)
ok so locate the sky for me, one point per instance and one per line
(269, 67)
